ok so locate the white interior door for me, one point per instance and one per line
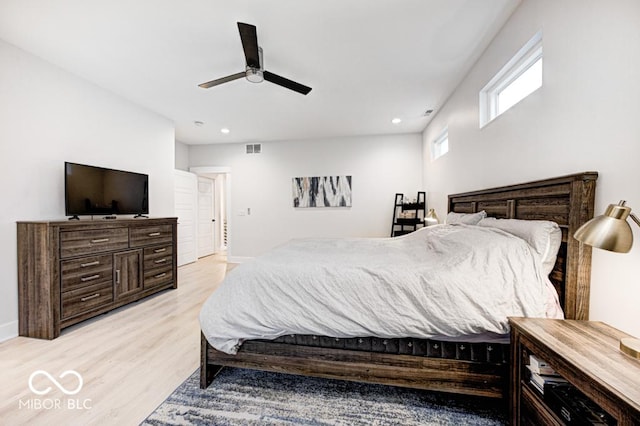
(219, 231)
(186, 209)
(206, 216)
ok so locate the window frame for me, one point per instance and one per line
(439, 141)
(521, 62)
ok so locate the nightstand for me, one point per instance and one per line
(587, 355)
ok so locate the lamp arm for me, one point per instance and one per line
(635, 219)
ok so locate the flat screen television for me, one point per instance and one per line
(91, 190)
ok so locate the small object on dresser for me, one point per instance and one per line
(630, 346)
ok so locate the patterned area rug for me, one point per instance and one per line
(246, 397)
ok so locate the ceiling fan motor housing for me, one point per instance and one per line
(254, 75)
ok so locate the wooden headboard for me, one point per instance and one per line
(566, 200)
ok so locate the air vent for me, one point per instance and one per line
(254, 148)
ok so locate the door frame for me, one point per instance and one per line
(211, 172)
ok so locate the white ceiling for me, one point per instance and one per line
(367, 61)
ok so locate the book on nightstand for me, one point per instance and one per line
(540, 374)
(539, 381)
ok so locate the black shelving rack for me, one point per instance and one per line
(408, 216)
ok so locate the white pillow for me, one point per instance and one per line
(465, 218)
(544, 236)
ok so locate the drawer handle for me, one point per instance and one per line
(160, 260)
(154, 234)
(90, 278)
(100, 240)
(93, 296)
(94, 263)
(160, 275)
(160, 250)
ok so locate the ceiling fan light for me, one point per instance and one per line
(254, 75)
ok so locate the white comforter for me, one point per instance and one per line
(449, 280)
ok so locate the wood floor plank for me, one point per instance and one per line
(130, 359)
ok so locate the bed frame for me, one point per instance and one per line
(567, 200)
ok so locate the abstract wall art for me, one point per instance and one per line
(322, 191)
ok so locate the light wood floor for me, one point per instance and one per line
(130, 359)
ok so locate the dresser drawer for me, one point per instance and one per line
(147, 235)
(157, 257)
(159, 276)
(76, 302)
(87, 271)
(77, 243)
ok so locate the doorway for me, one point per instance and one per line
(213, 184)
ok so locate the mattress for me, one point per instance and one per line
(450, 282)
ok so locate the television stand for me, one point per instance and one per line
(140, 215)
(74, 217)
(69, 272)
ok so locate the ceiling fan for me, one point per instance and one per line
(255, 71)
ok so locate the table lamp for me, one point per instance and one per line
(612, 232)
(431, 218)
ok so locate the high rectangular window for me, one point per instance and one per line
(520, 77)
(440, 145)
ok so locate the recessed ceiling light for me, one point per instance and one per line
(225, 130)
(396, 120)
(198, 123)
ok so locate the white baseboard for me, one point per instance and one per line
(8, 331)
(238, 259)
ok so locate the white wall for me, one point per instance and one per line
(585, 117)
(48, 116)
(182, 156)
(380, 166)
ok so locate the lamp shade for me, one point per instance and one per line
(610, 231)
(431, 218)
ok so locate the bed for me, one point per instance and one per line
(478, 366)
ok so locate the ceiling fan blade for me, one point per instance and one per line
(285, 82)
(249, 37)
(222, 80)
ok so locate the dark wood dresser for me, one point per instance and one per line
(600, 379)
(70, 271)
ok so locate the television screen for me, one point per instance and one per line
(93, 190)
